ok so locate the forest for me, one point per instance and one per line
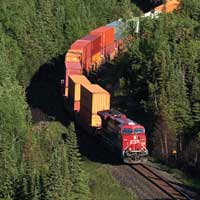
(39, 158)
(161, 71)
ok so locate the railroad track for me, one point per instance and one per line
(167, 188)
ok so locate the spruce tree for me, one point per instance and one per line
(80, 189)
(196, 104)
(54, 186)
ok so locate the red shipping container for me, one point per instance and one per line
(71, 71)
(85, 47)
(109, 49)
(73, 65)
(106, 33)
(95, 43)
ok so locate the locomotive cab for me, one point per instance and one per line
(130, 136)
(133, 143)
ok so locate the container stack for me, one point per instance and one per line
(93, 99)
(75, 83)
(168, 7)
(84, 48)
(95, 41)
(69, 71)
(118, 36)
(107, 39)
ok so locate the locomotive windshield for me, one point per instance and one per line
(138, 130)
(127, 131)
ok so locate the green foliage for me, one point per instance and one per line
(13, 128)
(103, 185)
(37, 31)
(80, 189)
(161, 69)
(35, 162)
(195, 104)
(191, 8)
(10, 57)
(54, 183)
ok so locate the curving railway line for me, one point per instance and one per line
(163, 185)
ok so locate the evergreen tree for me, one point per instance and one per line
(79, 179)
(54, 185)
(196, 104)
(7, 171)
(65, 173)
(31, 34)
(191, 8)
(13, 127)
(10, 57)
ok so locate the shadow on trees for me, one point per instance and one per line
(45, 99)
(44, 92)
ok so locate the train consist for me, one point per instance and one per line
(90, 103)
(90, 106)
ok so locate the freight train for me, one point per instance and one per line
(90, 103)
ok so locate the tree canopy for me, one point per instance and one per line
(162, 74)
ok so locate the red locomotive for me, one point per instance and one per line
(124, 135)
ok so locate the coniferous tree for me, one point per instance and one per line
(13, 127)
(79, 179)
(54, 184)
(160, 67)
(196, 104)
(65, 173)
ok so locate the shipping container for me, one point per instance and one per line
(78, 55)
(71, 71)
(106, 33)
(75, 82)
(119, 28)
(96, 60)
(74, 105)
(71, 107)
(95, 43)
(113, 55)
(109, 49)
(93, 120)
(169, 6)
(73, 56)
(94, 98)
(66, 92)
(83, 46)
(73, 65)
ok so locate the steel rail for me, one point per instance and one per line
(160, 182)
